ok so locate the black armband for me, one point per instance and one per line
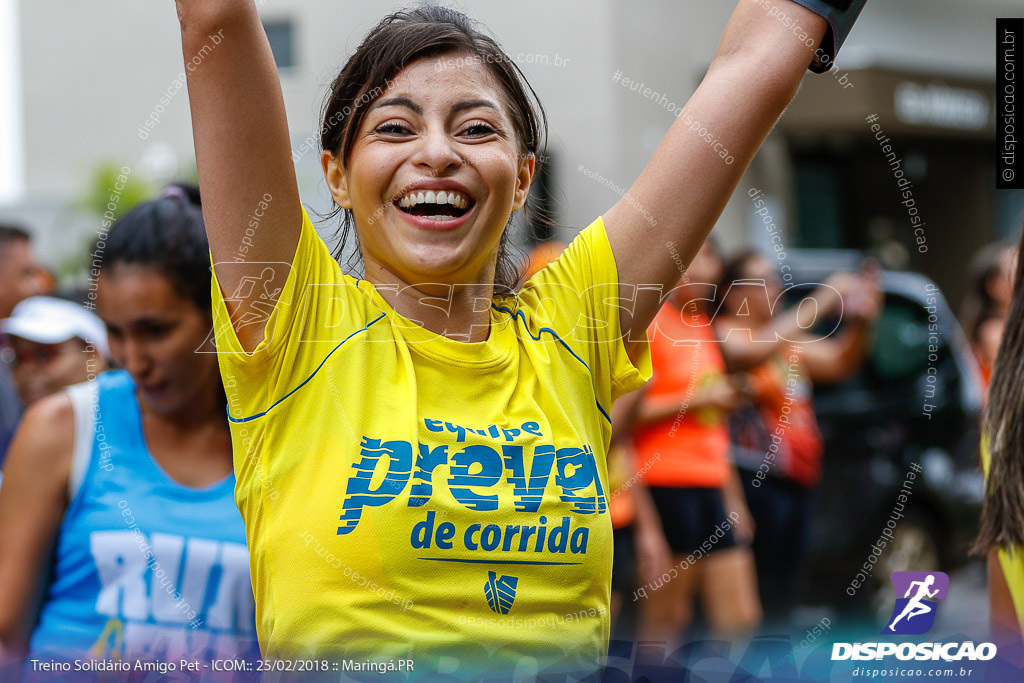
(841, 16)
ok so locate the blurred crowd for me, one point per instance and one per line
(715, 462)
(119, 534)
(713, 466)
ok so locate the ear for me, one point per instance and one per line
(523, 181)
(337, 180)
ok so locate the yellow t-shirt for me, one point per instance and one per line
(1012, 564)
(410, 496)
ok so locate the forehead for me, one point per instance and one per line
(15, 252)
(20, 342)
(128, 291)
(442, 80)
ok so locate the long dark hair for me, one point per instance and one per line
(1002, 518)
(397, 41)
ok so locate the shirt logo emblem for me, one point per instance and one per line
(500, 592)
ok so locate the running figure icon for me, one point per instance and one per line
(916, 606)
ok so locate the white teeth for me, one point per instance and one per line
(456, 199)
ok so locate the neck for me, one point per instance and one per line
(459, 312)
(205, 409)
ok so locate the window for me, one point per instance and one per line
(820, 200)
(281, 34)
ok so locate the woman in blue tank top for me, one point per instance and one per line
(120, 490)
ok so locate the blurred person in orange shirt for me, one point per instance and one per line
(681, 439)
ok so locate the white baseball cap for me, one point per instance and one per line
(47, 320)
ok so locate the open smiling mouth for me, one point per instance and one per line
(443, 205)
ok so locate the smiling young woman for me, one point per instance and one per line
(420, 454)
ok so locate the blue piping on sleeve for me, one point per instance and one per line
(305, 381)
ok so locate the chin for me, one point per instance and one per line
(163, 405)
(431, 266)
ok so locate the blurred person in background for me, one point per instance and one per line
(52, 344)
(775, 439)
(640, 552)
(19, 271)
(539, 257)
(117, 487)
(988, 302)
(1002, 453)
(681, 437)
(19, 279)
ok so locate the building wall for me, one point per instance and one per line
(92, 73)
(11, 160)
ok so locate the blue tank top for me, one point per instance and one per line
(145, 567)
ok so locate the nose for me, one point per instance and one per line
(135, 359)
(436, 152)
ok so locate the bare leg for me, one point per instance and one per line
(730, 592)
(668, 610)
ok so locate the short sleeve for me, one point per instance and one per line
(577, 297)
(316, 307)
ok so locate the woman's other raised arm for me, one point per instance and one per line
(243, 154)
(687, 183)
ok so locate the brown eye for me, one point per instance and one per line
(477, 130)
(155, 330)
(391, 129)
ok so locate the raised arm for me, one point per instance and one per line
(834, 359)
(242, 151)
(744, 350)
(686, 184)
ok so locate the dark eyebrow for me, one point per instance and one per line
(149, 321)
(398, 102)
(470, 104)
